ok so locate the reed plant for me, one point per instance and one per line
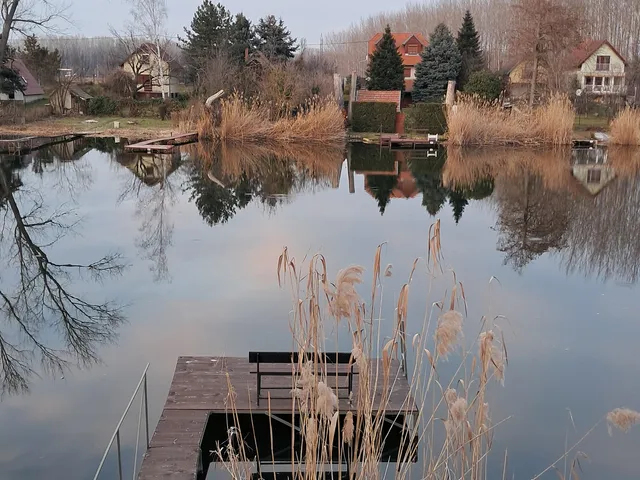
(473, 121)
(247, 120)
(454, 427)
(625, 128)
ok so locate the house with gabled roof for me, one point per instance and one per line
(599, 69)
(409, 45)
(153, 73)
(32, 90)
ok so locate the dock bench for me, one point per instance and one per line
(281, 364)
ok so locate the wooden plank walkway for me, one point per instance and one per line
(199, 388)
(165, 144)
(21, 145)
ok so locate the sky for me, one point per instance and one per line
(304, 19)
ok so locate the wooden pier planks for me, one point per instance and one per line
(162, 145)
(199, 387)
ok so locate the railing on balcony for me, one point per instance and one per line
(605, 89)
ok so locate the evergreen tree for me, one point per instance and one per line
(274, 40)
(381, 187)
(241, 37)
(40, 61)
(458, 202)
(440, 62)
(468, 42)
(385, 71)
(208, 35)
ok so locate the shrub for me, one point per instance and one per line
(485, 84)
(426, 116)
(374, 117)
(102, 106)
(625, 128)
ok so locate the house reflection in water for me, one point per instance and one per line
(151, 169)
(591, 168)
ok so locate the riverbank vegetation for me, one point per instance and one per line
(476, 122)
(625, 127)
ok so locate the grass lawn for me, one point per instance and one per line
(590, 123)
(80, 123)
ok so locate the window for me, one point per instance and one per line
(407, 72)
(144, 58)
(594, 175)
(607, 80)
(598, 81)
(602, 63)
(413, 49)
(588, 81)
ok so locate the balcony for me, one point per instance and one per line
(605, 89)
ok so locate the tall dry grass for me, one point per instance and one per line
(454, 425)
(480, 123)
(243, 120)
(625, 128)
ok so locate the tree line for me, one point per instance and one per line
(618, 22)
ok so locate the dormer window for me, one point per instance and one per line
(145, 58)
(413, 49)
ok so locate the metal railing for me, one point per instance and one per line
(116, 434)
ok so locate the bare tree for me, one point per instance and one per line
(23, 16)
(41, 300)
(542, 29)
(150, 16)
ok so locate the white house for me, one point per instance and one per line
(153, 74)
(599, 68)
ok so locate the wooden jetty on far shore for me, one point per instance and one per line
(197, 416)
(396, 141)
(162, 145)
(19, 145)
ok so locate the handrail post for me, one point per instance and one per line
(146, 408)
(119, 456)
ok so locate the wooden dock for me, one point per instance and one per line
(162, 145)
(196, 414)
(18, 145)
(398, 142)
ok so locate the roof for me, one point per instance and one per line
(32, 88)
(78, 92)
(151, 49)
(587, 48)
(401, 38)
(380, 96)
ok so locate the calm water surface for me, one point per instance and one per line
(190, 257)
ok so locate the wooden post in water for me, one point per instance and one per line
(352, 94)
(352, 181)
(450, 99)
(337, 88)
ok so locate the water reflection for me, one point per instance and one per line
(223, 181)
(39, 294)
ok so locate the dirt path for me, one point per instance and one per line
(132, 129)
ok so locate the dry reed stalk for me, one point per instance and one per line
(623, 418)
(625, 128)
(243, 120)
(476, 122)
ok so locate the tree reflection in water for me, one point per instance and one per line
(37, 295)
(581, 206)
(222, 181)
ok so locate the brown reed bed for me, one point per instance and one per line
(625, 128)
(473, 121)
(242, 120)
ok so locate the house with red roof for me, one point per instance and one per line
(409, 45)
(597, 66)
(32, 89)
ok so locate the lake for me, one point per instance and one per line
(168, 255)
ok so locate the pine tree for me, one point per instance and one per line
(385, 71)
(440, 62)
(274, 40)
(241, 37)
(468, 42)
(40, 61)
(208, 35)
